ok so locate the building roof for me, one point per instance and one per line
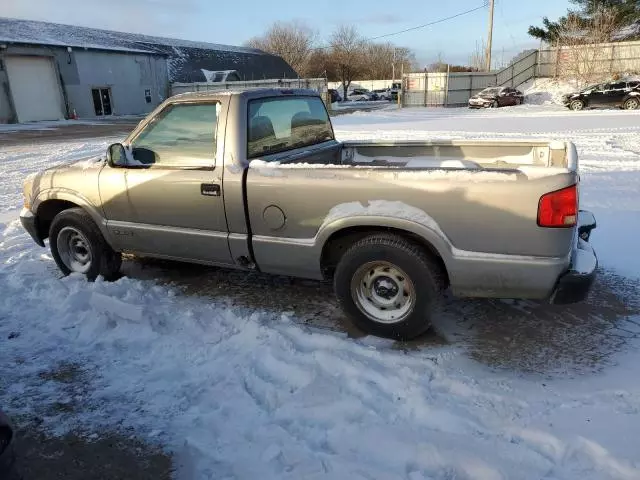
(186, 59)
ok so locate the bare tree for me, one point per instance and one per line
(293, 41)
(383, 60)
(478, 59)
(347, 49)
(580, 55)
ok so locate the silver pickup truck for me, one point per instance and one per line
(255, 180)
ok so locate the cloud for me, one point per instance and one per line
(382, 19)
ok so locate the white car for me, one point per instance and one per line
(383, 94)
(360, 95)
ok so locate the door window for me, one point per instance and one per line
(182, 135)
(280, 124)
(618, 86)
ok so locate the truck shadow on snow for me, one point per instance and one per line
(517, 335)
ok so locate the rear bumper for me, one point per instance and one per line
(29, 223)
(574, 285)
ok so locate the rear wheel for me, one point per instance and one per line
(388, 286)
(577, 105)
(78, 246)
(632, 104)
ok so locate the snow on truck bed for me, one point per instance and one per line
(248, 393)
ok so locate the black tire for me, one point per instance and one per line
(104, 260)
(425, 274)
(577, 105)
(631, 104)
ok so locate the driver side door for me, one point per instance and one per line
(166, 201)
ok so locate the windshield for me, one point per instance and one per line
(490, 91)
(598, 86)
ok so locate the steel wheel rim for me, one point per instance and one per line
(383, 292)
(632, 104)
(74, 250)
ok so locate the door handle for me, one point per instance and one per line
(210, 189)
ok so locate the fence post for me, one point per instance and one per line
(613, 56)
(557, 58)
(446, 92)
(513, 75)
(426, 86)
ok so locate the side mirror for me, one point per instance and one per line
(116, 155)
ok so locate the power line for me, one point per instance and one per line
(484, 5)
(441, 20)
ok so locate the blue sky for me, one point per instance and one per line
(233, 23)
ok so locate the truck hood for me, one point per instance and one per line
(80, 176)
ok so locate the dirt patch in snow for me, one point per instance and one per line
(74, 457)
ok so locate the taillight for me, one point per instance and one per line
(559, 208)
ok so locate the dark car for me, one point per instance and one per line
(335, 96)
(613, 94)
(494, 97)
(6, 445)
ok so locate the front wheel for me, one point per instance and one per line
(576, 105)
(388, 286)
(77, 246)
(632, 104)
(494, 104)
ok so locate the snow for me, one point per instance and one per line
(546, 91)
(239, 392)
(56, 124)
(585, 262)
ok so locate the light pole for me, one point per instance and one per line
(490, 35)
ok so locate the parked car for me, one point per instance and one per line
(335, 95)
(231, 179)
(614, 94)
(383, 94)
(362, 95)
(494, 97)
(6, 446)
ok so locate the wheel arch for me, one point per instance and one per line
(337, 243)
(50, 203)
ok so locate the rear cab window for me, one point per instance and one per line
(281, 124)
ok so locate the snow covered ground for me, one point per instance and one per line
(249, 393)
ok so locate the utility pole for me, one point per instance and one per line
(490, 35)
(393, 68)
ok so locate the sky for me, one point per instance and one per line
(233, 23)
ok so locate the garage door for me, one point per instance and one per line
(34, 88)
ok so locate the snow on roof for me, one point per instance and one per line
(186, 59)
(628, 32)
(45, 33)
(219, 75)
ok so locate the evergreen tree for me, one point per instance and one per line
(626, 13)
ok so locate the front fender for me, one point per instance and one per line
(76, 198)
